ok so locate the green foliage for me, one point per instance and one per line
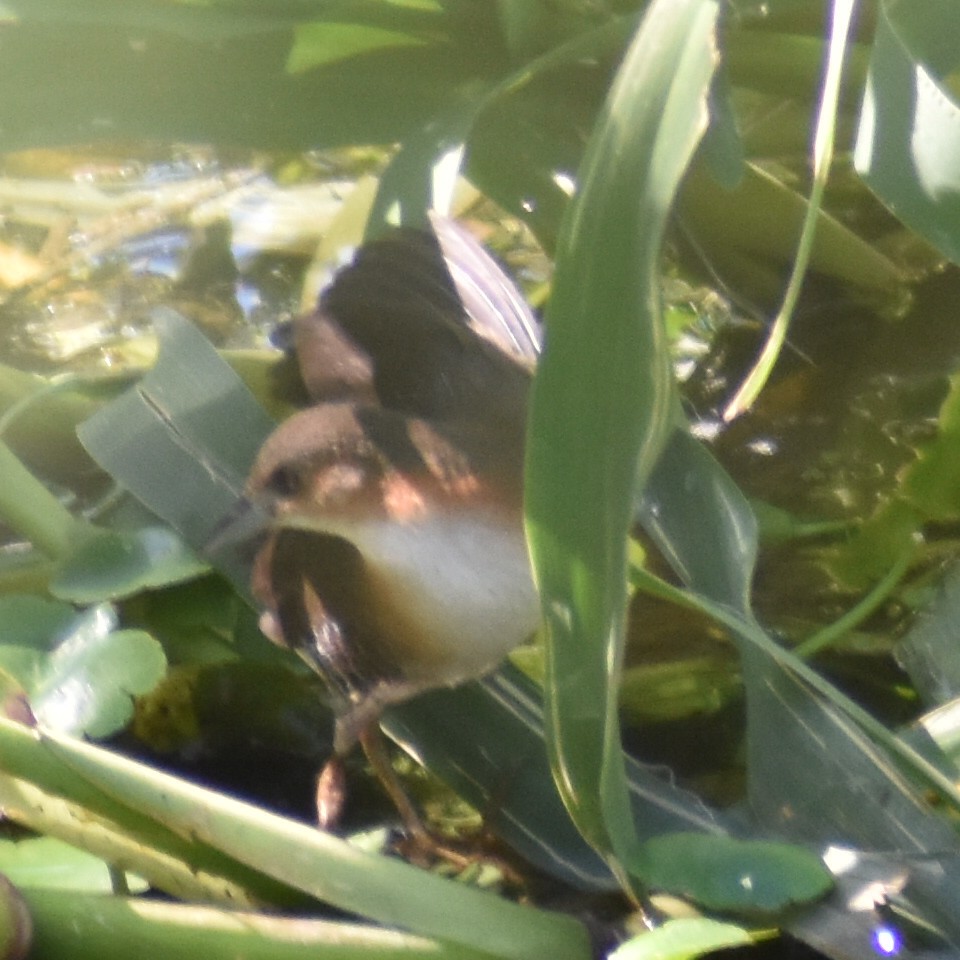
(113, 565)
(734, 876)
(535, 101)
(597, 446)
(682, 940)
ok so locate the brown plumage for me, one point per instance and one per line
(396, 559)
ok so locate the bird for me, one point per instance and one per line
(395, 560)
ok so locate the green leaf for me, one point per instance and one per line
(317, 44)
(78, 673)
(751, 877)
(319, 863)
(486, 741)
(930, 652)
(682, 940)
(89, 927)
(183, 440)
(908, 142)
(713, 549)
(31, 622)
(113, 565)
(37, 862)
(87, 684)
(31, 510)
(602, 399)
(761, 218)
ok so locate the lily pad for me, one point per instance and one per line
(753, 877)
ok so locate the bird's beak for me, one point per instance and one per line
(243, 523)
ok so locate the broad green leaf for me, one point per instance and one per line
(747, 877)
(36, 862)
(112, 565)
(32, 622)
(183, 440)
(486, 741)
(908, 143)
(762, 217)
(683, 940)
(79, 674)
(713, 549)
(601, 405)
(216, 73)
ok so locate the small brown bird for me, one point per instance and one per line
(396, 560)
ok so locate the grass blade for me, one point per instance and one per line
(602, 402)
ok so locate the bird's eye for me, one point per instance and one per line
(285, 481)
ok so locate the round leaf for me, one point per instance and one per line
(752, 877)
(87, 684)
(110, 566)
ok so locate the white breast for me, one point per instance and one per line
(464, 578)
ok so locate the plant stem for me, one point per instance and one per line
(32, 510)
(857, 614)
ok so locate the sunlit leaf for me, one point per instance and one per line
(45, 862)
(602, 399)
(314, 861)
(908, 144)
(682, 940)
(79, 674)
(112, 565)
(88, 927)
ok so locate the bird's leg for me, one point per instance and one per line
(423, 847)
(374, 746)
